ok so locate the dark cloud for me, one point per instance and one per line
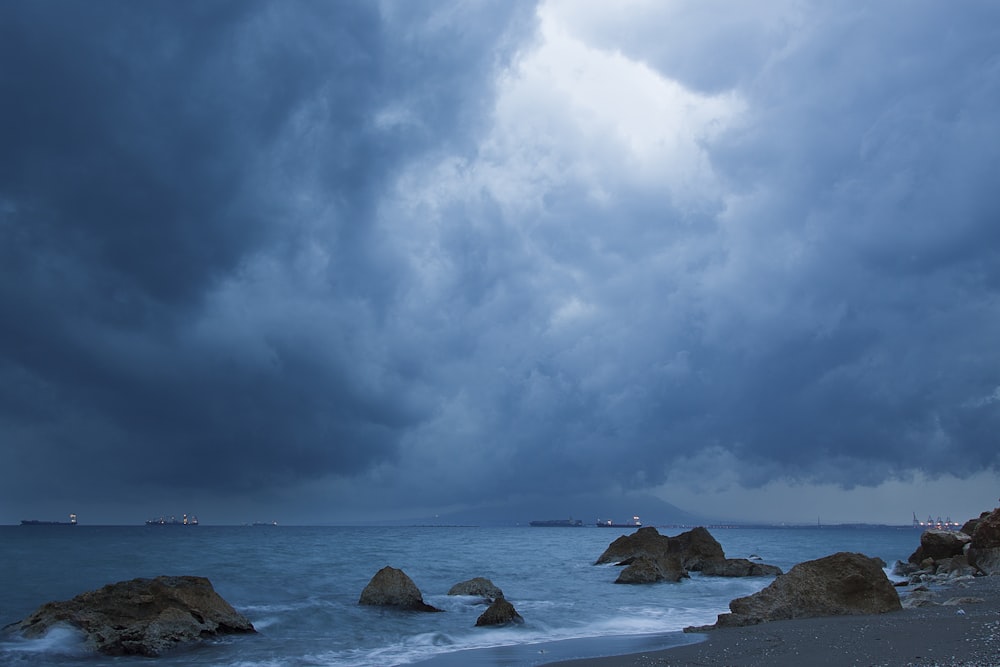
(431, 255)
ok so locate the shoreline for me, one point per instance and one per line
(967, 633)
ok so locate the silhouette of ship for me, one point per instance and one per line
(185, 520)
(557, 523)
(634, 523)
(36, 522)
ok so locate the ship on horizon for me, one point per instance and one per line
(634, 523)
(36, 522)
(185, 520)
(557, 523)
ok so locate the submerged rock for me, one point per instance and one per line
(500, 612)
(739, 567)
(841, 584)
(391, 587)
(480, 586)
(141, 616)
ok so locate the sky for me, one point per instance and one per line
(322, 262)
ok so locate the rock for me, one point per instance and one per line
(739, 567)
(479, 586)
(696, 550)
(141, 616)
(984, 549)
(392, 588)
(646, 541)
(696, 547)
(901, 569)
(500, 612)
(841, 584)
(954, 602)
(939, 544)
(650, 570)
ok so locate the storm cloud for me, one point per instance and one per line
(409, 255)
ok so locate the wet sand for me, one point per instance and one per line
(962, 633)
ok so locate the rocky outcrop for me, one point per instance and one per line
(651, 569)
(651, 554)
(500, 612)
(392, 588)
(844, 583)
(984, 549)
(939, 544)
(478, 586)
(142, 616)
(739, 567)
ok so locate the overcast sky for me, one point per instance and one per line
(330, 261)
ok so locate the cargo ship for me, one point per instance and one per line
(635, 523)
(173, 521)
(36, 522)
(557, 523)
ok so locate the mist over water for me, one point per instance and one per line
(300, 587)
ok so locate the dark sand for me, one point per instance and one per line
(967, 633)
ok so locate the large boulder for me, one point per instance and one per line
(478, 586)
(392, 588)
(696, 547)
(984, 549)
(694, 550)
(141, 616)
(500, 612)
(841, 584)
(652, 569)
(939, 544)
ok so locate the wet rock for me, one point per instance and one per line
(984, 549)
(391, 587)
(479, 586)
(650, 570)
(500, 612)
(695, 549)
(844, 583)
(141, 616)
(739, 567)
(939, 544)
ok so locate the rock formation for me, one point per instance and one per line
(500, 612)
(141, 616)
(649, 553)
(479, 586)
(392, 588)
(645, 569)
(739, 567)
(939, 544)
(984, 549)
(844, 583)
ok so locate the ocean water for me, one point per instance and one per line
(300, 586)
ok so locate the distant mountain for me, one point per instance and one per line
(587, 507)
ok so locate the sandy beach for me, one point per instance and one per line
(963, 628)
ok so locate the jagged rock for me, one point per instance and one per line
(738, 567)
(392, 588)
(480, 586)
(695, 549)
(650, 570)
(939, 544)
(141, 616)
(500, 612)
(844, 583)
(984, 549)
(901, 569)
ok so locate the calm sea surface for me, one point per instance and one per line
(300, 586)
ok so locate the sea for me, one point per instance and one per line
(300, 586)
